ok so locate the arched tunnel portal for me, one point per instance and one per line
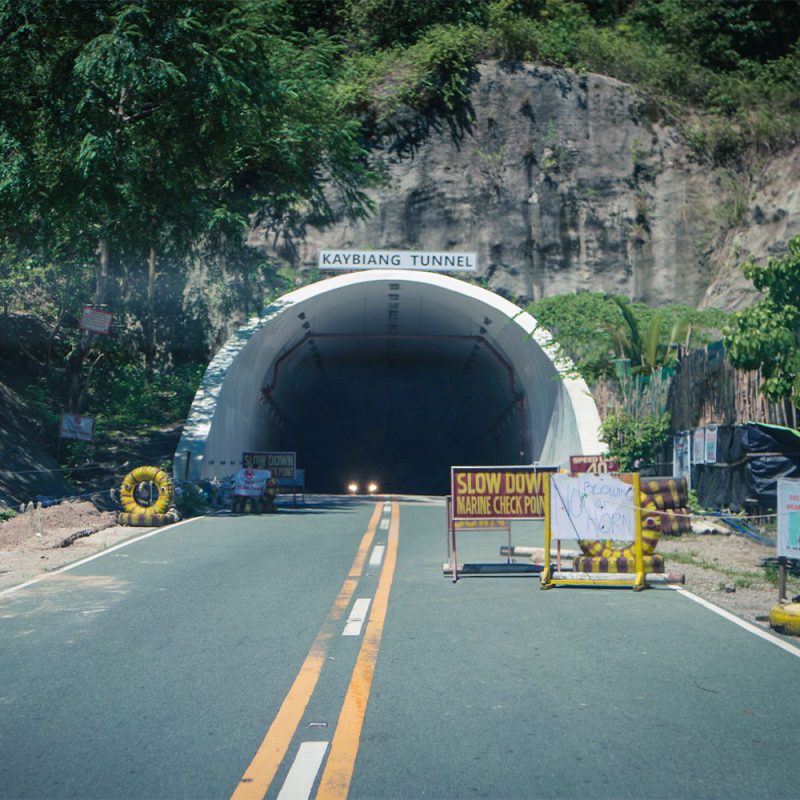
(390, 376)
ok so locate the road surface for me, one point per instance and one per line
(320, 652)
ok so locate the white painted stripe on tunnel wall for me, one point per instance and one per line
(355, 622)
(303, 772)
(769, 637)
(377, 555)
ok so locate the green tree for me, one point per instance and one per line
(766, 336)
(133, 126)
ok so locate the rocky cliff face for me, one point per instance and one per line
(566, 182)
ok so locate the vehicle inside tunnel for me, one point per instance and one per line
(392, 377)
(398, 411)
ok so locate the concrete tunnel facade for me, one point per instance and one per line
(391, 376)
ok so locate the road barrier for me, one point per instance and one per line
(155, 513)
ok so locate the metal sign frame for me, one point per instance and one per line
(637, 581)
(497, 483)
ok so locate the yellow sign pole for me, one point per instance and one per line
(545, 582)
(640, 582)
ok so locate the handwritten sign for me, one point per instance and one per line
(591, 507)
(789, 518)
(498, 492)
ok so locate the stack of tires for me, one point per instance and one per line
(664, 503)
(257, 505)
(140, 513)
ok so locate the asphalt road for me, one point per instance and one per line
(208, 661)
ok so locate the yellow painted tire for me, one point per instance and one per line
(163, 482)
(606, 549)
(670, 521)
(146, 519)
(617, 564)
(252, 505)
(785, 618)
(677, 487)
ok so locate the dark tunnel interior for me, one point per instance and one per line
(399, 412)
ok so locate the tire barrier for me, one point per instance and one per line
(606, 549)
(652, 563)
(252, 505)
(147, 519)
(665, 492)
(670, 521)
(138, 476)
(785, 618)
(257, 505)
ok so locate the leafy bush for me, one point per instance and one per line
(635, 442)
(433, 72)
(593, 331)
(190, 501)
(125, 396)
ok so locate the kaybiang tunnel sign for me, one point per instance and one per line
(397, 259)
(498, 492)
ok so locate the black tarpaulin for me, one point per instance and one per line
(772, 452)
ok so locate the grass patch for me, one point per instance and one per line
(743, 579)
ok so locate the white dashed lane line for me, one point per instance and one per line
(355, 622)
(377, 555)
(303, 772)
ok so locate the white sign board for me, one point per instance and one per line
(250, 482)
(591, 507)
(397, 259)
(789, 518)
(699, 446)
(77, 427)
(712, 434)
(95, 320)
(681, 456)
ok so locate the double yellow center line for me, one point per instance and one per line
(335, 781)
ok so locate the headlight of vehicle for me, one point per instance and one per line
(352, 488)
(372, 488)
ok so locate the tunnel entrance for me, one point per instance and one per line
(389, 376)
(396, 410)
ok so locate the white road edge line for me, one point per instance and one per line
(86, 560)
(303, 772)
(377, 555)
(357, 618)
(769, 637)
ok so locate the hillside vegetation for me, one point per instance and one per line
(141, 140)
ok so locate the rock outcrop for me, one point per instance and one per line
(567, 182)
